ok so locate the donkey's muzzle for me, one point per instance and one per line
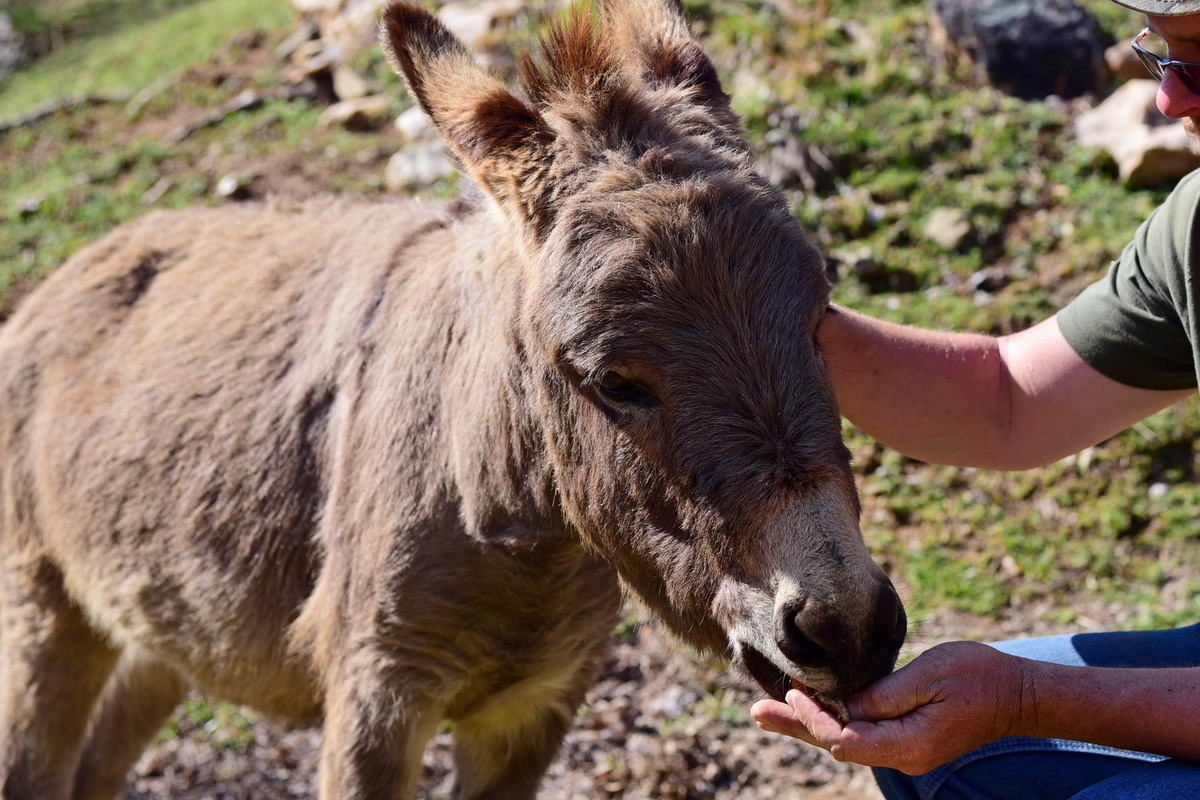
(858, 649)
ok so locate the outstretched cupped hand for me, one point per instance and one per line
(949, 700)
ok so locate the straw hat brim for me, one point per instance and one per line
(1162, 8)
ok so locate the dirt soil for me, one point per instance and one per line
(661, 724)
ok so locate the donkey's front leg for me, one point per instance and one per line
(53, 667)
(374, 736)
(504, 747)
(493, 757)
(140, 695)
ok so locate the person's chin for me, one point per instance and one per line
(1192, 127)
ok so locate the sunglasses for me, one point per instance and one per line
(1188, 72)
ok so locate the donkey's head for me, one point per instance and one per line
(668, 308)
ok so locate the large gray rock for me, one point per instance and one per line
(1027, 48)
(1150, 149)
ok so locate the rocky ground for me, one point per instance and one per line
(660, 725)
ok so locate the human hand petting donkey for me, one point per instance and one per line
(949, 700)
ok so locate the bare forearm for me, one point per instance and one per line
(1012, 402)
(1151, 710)
(932, 395)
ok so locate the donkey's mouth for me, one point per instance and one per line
(771, 678)
(776, 683)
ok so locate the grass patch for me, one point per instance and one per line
(224, 725)
(122, 48)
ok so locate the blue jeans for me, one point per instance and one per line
(1020, 768)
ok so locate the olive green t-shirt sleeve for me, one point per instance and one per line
(1138, 324)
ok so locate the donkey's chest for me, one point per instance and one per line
(547, 647)
(478, 620)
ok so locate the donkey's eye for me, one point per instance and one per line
(618, 389)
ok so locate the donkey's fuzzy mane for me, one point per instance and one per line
(600, 58)
(573, 57)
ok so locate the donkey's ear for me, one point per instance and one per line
(657, 31)
(498, 138)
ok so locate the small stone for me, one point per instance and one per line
(417, 168)
(414, 123)
(860, 262)
(313, 58)
(305, 32)
(312, 6)
(950, 228)
(989, 280)
(349, 85)
(13, 52)
(29, 206)
(1123, 63)
(234, 186)
(362, 114)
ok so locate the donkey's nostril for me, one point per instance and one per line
(808, 636)
(891, 621)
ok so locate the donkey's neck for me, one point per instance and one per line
(469, 308)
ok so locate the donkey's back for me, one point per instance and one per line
(169, 390)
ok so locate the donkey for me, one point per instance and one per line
(390, 463)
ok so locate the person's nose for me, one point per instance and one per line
(1176, 100)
